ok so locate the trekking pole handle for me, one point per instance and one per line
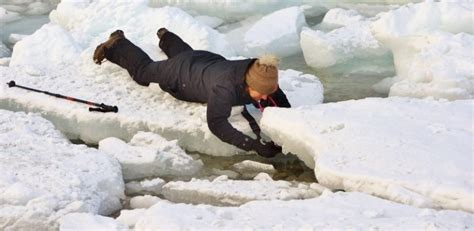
(11, 83)
(104, 108)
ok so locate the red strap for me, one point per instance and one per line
(273, 101)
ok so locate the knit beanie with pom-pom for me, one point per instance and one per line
(262, 76)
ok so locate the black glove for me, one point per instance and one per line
(267, 150)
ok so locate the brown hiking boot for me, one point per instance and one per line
(161, 32)
(99, 53)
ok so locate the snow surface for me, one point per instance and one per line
(433, 53)
(354, 211)
(45, 177)
(150, 155)
(224, 192)
(143, 202)
(412, 151)
(87, 221)
(130, 217)
(88, 28)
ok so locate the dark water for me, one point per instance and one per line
(288, 167)
(351, 80)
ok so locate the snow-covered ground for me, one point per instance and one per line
(407, 162)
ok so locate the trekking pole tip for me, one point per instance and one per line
(11, 83)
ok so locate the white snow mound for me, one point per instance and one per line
(45, 177)
(350, 39)
(433, 53)
(87, 221)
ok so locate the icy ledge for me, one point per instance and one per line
(329, 211)
(140, 108)
(225, 192)
(44, 176)
(150, 155)
(416, 152)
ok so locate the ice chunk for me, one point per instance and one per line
(339, 17)
(45, 177)
(143, 202)
(5, 61)
(353, 40)
(212, 22)
(232, 10)
(130, 217)
(61, 50)
(230, 174)
(263, 37)
(327, 212)
(432, 54)
(14, 38)
(412, 151)
(88, 27)
(7, 16)
(249, 169)
(263, 177)
(145, 186)
(224, 192)
(150, 155)
(87, 221)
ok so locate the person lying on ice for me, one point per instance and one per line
(204, 77)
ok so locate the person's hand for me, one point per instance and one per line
(267, 150)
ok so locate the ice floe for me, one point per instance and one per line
(349, 38)
(412, 151)
(150, 155)
(329, 211)
(224, 192)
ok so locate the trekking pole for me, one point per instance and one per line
(99, 107)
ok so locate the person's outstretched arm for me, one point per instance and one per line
(219, 108)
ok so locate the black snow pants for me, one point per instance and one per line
(141, 67)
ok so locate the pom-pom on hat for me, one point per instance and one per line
(262, 76)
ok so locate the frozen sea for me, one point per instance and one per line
(380, 135)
